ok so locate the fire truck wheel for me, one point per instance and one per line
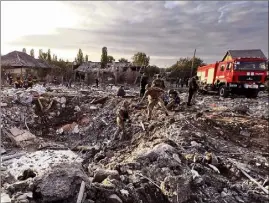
(223, 92)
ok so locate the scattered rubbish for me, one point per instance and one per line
(68, 128)
(3, 151)
(57, 147)
(18, 136)
(5, 198)
(81, 192)
(245, 133)
(3, 104)
(214, 168)
(253, 180)
(142, 125)
(4, 158)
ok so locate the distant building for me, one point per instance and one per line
(114, 72)
(20, 63)
(232, 54)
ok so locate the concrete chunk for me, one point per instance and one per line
(19, 136)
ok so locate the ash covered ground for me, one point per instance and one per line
(56, 138)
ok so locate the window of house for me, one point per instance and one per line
(222, 67)
(228, 67)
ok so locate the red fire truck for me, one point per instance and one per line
(236, 74)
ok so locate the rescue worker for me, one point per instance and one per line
(34, 80)
(10, 78)
(96, 82)
(25, 84)
(18, 83)
(143, 83)
(178, 82)
(174, 100)
(30, 81)
(182, 82)
(158, 82)
(187, 82)
(122, 118)
(54, 80)
(193, 88)
(154, 95)
(121, 92)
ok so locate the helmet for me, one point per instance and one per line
(172, 91)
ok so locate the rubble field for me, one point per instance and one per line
(57, 147)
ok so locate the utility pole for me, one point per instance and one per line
(193, 62)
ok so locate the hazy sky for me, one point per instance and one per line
(163, 30)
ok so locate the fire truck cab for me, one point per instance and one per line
(240, 72)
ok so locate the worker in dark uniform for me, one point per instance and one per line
(143, 83)
(122, 118)
(178, 81)
(96, 82)
(174, 100)
(182, 82)
(154, 95)
(158, 82)
(187, 82)
(55, 80)
(25, 84)
(10, 78)
(121, 92)
(193, 88)
(18, 83)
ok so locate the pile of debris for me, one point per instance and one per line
(213, 152)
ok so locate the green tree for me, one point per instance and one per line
(152, 70)
(86, 58)
(54, 57)
(43, 56)
(182, 68)
(49, 55)
(24, 50)
(104, 58)
(123, 60)
(80, 58)
(32, 52)
(141, 59)
(110, 59)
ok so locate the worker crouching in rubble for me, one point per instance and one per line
(18, 83)
(154, 95)
(174, 100)
(122, 119)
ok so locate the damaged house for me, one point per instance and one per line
(116, 72)
(20, 63)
